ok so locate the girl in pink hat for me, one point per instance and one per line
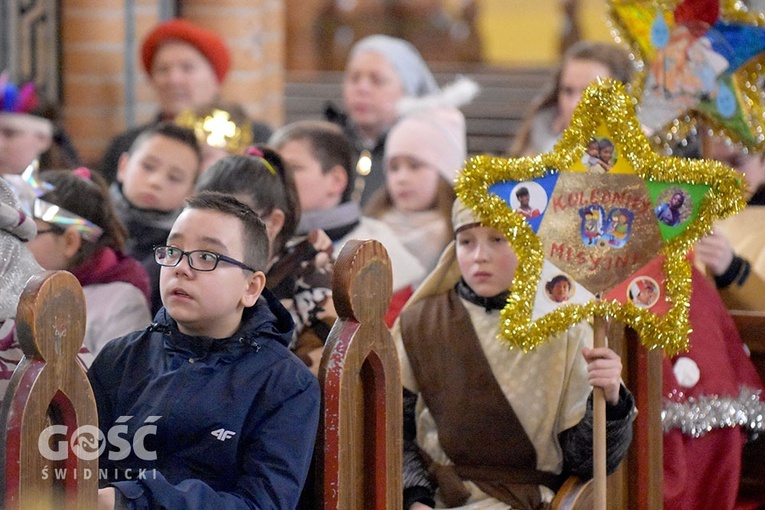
(423, 153)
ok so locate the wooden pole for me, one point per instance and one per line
(599, 425)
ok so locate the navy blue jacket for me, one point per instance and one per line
(213, 423)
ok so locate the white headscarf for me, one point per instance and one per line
(406, 60)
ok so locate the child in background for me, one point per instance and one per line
(78, 231)
(154, 178)
(299, 270)
(29, 131)
(321, 159)
(713, 401)
(17, 265)
(423, 153)
(235, 412)
(486, 414)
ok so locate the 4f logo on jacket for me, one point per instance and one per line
(223, 434)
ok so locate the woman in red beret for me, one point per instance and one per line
(187, 65)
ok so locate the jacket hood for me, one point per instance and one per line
(266, 320)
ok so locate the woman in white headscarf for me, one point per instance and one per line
(381, 70)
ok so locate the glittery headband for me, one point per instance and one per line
(29, 188)
(51, 213)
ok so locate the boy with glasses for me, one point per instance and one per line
(232, 413)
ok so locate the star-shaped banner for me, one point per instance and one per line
(699, 61)
(601, 226)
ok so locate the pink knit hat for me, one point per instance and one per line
(435, 136)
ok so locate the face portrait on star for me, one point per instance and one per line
(674, 207)
(529, 199)
(643, 292)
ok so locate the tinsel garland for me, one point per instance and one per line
(604, 103)
(698, 416)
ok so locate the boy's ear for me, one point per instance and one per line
(255, 286)
(72, 242)
(122, 166)
(338, 178)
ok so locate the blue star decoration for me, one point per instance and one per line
(603, 232)
(701, 65)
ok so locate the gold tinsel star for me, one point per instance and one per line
(617, 225)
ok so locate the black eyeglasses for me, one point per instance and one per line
(199, 260)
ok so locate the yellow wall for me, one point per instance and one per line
(526, 32)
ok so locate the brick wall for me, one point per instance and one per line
(97, 46)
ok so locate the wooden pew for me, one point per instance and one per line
(751, 327)
(638, 483)
(49, 388)
(360, 444)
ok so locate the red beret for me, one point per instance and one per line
(210, 44)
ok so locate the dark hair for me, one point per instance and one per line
(610, 55)
(523, 191)
(255, 240)
(264, 181)
(88, 198)
(605, 143)
(172, 131)
(549, 286)
(328, 144)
